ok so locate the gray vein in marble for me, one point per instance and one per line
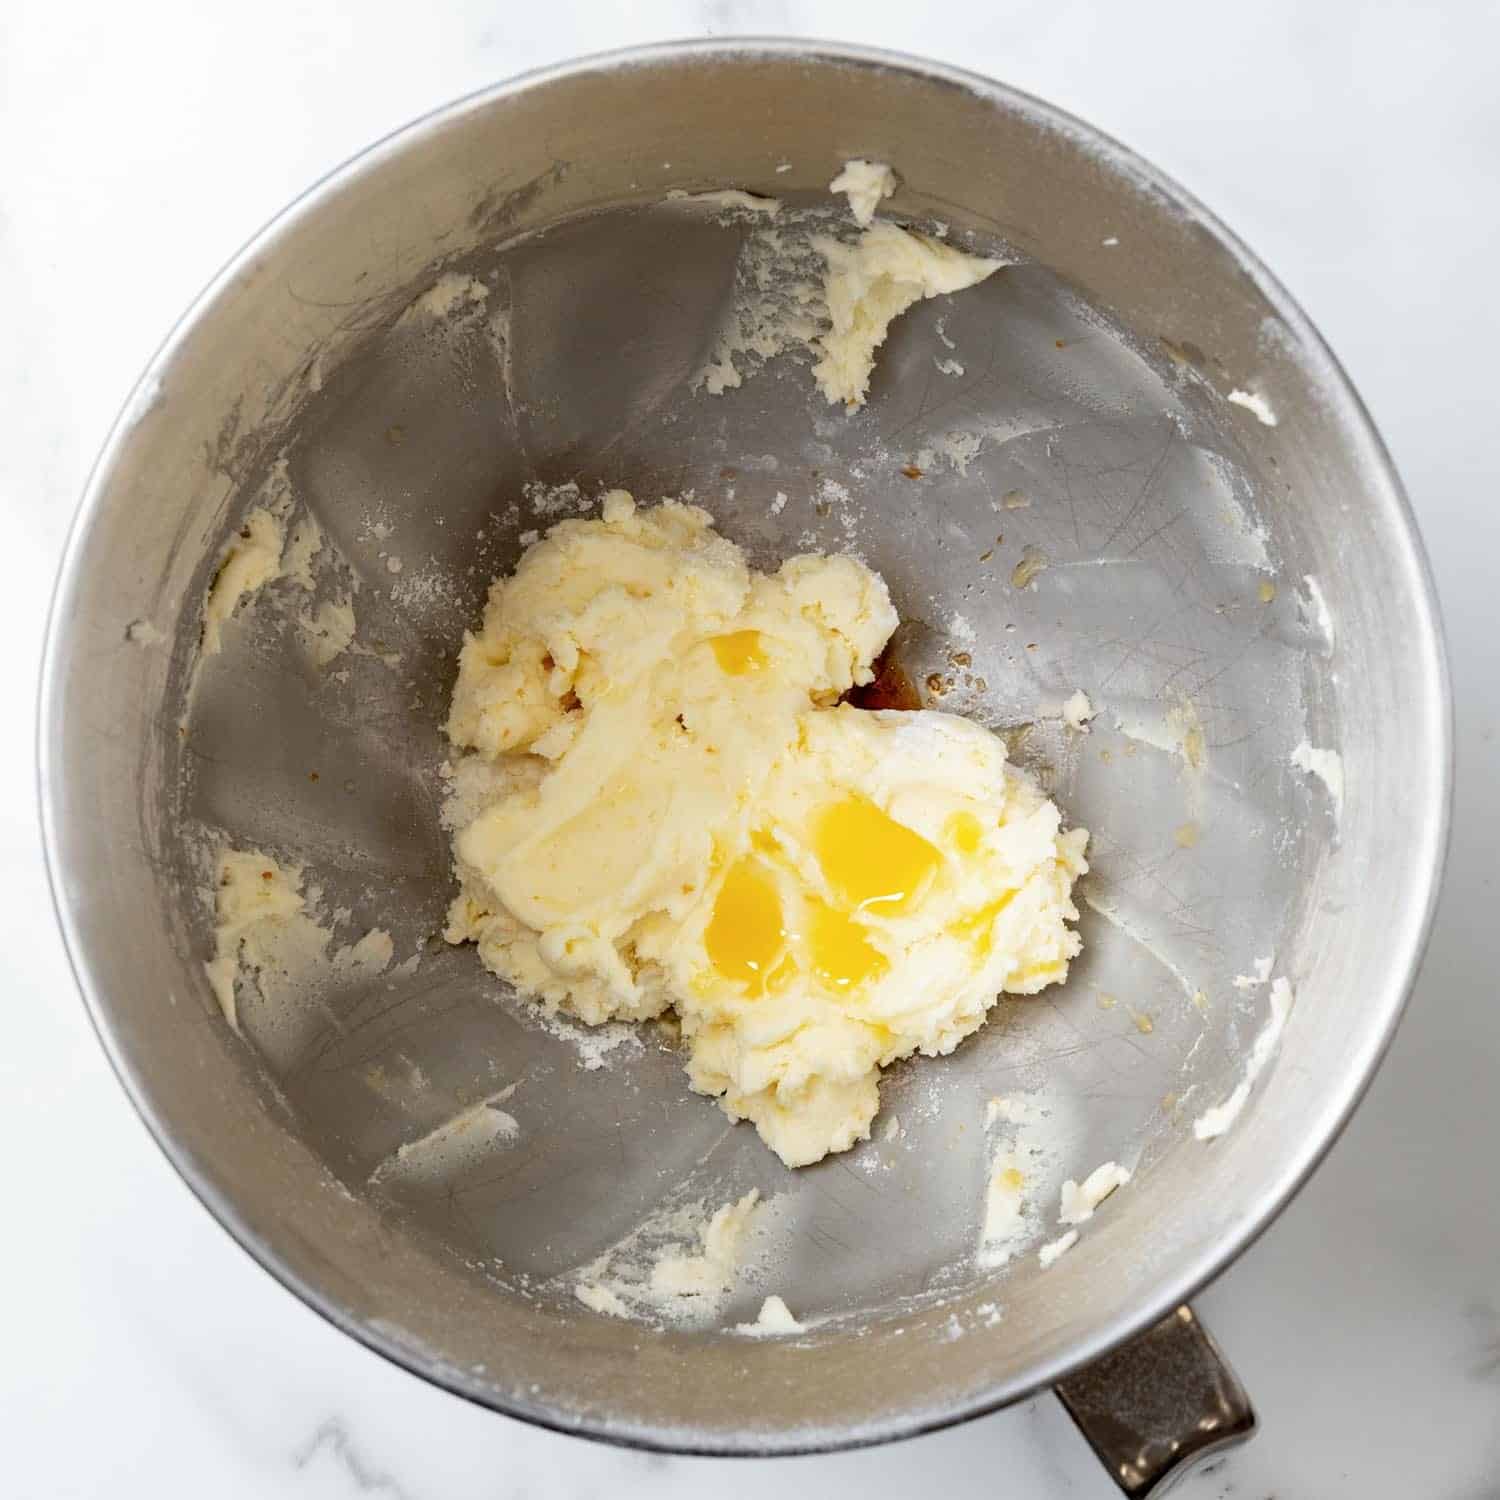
(332, 1438)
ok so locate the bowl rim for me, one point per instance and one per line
(1437, 707)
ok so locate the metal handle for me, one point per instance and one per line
(1158, 1404)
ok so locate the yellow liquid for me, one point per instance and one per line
(1054, 970)
(842, 957)
(979, 927)
(966, 831)
(745, 936)
(740, 652)
(870, 860)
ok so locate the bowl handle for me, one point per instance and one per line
(1153, 1407)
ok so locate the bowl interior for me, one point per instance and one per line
(1060, 497)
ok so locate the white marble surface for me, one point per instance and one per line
(1354, 146)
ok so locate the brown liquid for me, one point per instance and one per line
(891, 687)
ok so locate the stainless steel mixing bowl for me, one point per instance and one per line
(1087, 388)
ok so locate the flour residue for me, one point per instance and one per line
(775, 1318)
(328, 629)
(1255, 404)
(803, 291)
(1077, 711)
(439, 1155)
(1214, 1122)
(1014, 1158)
(1315, 609)
(1049, 1254)
(250, 560)
(865, 184)
(678, 1266)
(451, 295)
(267, 938)
(302, 549)
(1079, 1200)
(776, 307)
(1260, 972)
(957, 449)
(1326, 766)
(553, 501)
(727, 201)
(280, 542)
